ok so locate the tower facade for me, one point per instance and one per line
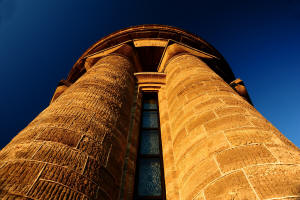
(150, 112)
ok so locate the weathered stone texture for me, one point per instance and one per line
(129, 170)
(275, 180)
(218, 139)
(170, 168)
(230, 186)
(75, 148)
(215, 144)
(239, 157)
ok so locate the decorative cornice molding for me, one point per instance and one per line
(124, 49)
(150, 81)
(153, 36)
(175, 48)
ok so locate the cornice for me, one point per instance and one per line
(158, 36)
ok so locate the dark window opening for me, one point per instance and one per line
(149, 181)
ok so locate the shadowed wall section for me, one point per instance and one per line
(222, 147)
(75, 148)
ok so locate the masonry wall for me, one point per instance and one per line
(75, 148)
(128, 179)
(216, 145)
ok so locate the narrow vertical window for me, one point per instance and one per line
(149, 182)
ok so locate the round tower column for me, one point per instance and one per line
(223, 148)
(75, 148)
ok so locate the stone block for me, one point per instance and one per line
(20, 151)
(199, 119)
(242, 156)
(216, 143)
(244, 136)
(211, 104)
(223, 111)
(275, 180)
(60, 135)
(202, 175)
(44, 189)
(61, 155)
(225, 123)
(16, 177)
(284, 153)
(230, 186)
(73, 180)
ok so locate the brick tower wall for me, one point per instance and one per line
(216, 145)
(75, 148)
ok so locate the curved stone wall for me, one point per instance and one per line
(75, 148)
(215, 144)
(222, 147)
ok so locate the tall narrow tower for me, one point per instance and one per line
(150, 112)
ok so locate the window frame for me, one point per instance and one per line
(160, 155)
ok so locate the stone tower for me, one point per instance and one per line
(90, 142)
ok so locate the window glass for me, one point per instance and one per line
(149, 175)
(150, 119)
(150, 178)
(150, 104)
(149, 142)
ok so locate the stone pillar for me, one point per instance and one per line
(221, 147)
(75, 148)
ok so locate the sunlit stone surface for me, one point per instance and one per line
(215, 144)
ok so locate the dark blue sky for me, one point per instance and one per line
(41, 40)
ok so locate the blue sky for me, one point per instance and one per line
(41, 40)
